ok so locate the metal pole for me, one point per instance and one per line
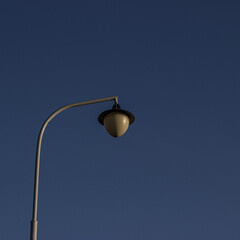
(34, 222)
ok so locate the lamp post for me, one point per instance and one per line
(116, 122)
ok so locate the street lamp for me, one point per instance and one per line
(116, 122)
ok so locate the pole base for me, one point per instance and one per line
(33, 235)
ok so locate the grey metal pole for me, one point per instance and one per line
(34, 222)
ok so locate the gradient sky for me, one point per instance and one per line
(175, 174)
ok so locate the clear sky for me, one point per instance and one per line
(175, 174)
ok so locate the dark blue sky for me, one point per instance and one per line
(175, 174)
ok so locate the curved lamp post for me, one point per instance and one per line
(116, 122)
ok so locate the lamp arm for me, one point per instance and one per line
(33, 234)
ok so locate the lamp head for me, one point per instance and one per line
(116, 120)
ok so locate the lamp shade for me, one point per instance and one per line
(116, 120)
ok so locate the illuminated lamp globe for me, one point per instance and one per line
(116, 120)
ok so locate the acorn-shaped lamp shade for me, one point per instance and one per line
(116, 120)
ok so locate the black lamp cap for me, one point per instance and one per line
(116, 108)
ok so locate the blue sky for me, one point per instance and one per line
(175, 173)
